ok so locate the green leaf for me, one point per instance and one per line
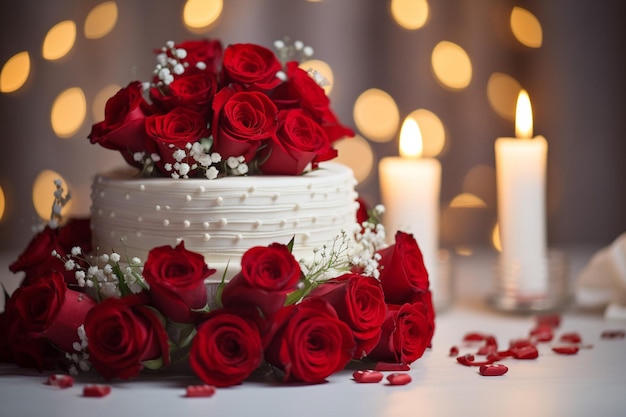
(121, 282)
(220, 288)
(291, 243)
(153, 364)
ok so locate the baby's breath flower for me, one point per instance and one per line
(115, 257)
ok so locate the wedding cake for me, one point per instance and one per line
(229, 150)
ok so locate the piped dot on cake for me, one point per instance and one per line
(139, 219)
(188, 198)
(157, 207)
(306, 235)
(167, 207)
(142, 187)
(282, 223)
(244, 196)
(251, 189)
(296, 207)
(179, 239)
(138, 233)
(186, 224)
(238, 237)
(206, 225)
(201, 189)
(127, 196)
(112, 214)
(275, 196)
(102, 194)
(219, 200)
(223, 222)
(258, 223)
(99, 212)
(166, 222)
(313, 219)
(206, 237)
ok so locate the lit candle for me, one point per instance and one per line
(410, 188)
(521, 183)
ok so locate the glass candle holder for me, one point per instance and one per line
(507, 296)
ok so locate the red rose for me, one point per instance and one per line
(241, 120)
(123, 126)
(24, 348)
(271, 268)
(299, 141)
(37, 258)
(51, 310)
(173, 131)
(402, 270)
(308, 341)
(226, 349)
(406, 333)
(204, 51)
(176, 278)
(251, 65)
(123, 333)
(360, 303)
(267, 275)
(192, 90)
(301, 91)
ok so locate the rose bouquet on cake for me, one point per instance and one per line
(212, 112)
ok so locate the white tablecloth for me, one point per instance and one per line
(590, 383)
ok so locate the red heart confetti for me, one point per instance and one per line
(196, 391)
(367, 376)
(96, 390)
(493, 370)
(60, 381)
(398, 379)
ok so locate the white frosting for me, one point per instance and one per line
(222, 218)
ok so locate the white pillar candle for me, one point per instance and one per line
(410, 187)
(521, 185)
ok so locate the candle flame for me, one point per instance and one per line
(411, 145)
(523, 116)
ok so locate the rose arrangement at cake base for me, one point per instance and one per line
(218, 112)
(76, 311)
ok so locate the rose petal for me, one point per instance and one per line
(60, 381)
(96, 390)
(195, 391)
(474, 337)
(454, 351)
(542, 333)
(565, 350)
(390, 366)
(493, 370)
(367, 376)
(399, 379)
(571, 338)
(526, 352)
(613, 334)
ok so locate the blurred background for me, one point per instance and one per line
(456, 66)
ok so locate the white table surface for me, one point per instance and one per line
(591, 383)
